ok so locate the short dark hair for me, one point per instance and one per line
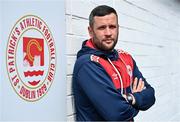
(101, 10)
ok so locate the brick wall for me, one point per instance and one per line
(150, 31)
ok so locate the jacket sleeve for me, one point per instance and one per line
(146, 98)
(97, 85)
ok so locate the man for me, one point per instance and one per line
(107, 83)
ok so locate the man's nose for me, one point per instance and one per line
(108, 31)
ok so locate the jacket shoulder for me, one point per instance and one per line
(122, 52)
(125, 57)
(84, 59)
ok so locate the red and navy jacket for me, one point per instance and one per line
(97, 87)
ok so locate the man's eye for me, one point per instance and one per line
(112, 27)
(102, 27)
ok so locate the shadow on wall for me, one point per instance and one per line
(175, 1)
(178, 1)
(174, 4)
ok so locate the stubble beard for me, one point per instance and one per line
(103, 46)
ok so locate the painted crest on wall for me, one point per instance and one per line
(31, 58)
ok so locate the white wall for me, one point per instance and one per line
(150, 31)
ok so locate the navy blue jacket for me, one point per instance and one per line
(95, 96)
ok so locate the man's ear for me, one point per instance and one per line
(90, 32)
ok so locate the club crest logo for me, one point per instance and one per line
(129, 70)
(31, 58)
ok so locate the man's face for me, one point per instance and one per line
(104, 32)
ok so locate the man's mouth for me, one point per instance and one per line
(108, 41)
